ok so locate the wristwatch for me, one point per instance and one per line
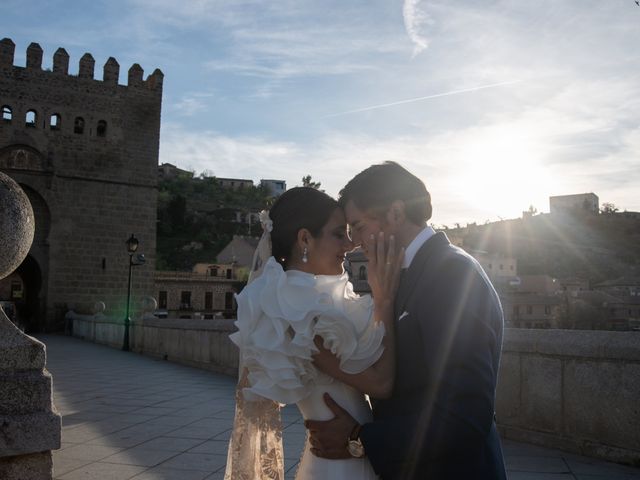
(354, 445)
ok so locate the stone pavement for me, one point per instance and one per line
(128, 416)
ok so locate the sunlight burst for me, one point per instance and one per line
(501, 172)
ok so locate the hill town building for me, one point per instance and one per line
(572, 204)
(206, 292)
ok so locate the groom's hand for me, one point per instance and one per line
(325, 361)
(329, 438)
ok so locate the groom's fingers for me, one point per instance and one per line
(370, 245)
(337, 410)
(380, 248)
(315, 425)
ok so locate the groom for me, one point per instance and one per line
(439, 421)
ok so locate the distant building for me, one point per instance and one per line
(235, 183)
(623, 314)
(525, 310)
(206, 293)
(249, 218)
(538, 284)
(499, 268)
(275, 187)
(356, 266)
(168, 171)
(572, 204)
(216, 270)
(597, 310)
(572, 285)
(239, 251)
(620, 287)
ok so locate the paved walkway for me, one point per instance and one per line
(128, 416)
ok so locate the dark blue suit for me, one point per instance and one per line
(439, 422)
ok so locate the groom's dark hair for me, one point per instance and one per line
(377, 187)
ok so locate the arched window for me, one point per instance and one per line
(31, 118)
(101, 129)
(78, 125)
(362, 273)
(7, 113)
(54, 121)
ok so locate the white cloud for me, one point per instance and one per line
(192, 104)
(414, 19)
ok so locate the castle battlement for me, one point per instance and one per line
(86, 66)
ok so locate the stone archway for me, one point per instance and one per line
(30, 308)
(34, 270)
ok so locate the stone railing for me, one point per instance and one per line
(198, 343)
(574, 390)
(568, 389)
(29, 424)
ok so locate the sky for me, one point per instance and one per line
(495, 105)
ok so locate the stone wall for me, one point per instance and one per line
(198, 343)
(90, 188)
(575, 390)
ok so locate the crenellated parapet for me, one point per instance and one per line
(34, 56)
(111, 71)
(86, 66)
(61, 62)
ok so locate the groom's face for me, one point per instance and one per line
(363, 224)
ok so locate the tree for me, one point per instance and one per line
(307, 182)
(608, 207)
(532, 210)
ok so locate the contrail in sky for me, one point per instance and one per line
(418, 99)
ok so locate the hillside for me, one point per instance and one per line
(596, 247)
(197, 218)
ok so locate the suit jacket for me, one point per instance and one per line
(439, 422)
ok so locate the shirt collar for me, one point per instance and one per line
(416, 243)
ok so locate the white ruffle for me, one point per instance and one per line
(278, 316)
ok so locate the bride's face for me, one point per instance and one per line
(326, 252)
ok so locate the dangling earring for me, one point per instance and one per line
(305, 259)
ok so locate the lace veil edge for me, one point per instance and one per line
(255, 447)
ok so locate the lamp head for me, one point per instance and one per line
(132, 244)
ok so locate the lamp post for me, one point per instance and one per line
(132, 246)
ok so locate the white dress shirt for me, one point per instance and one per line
(416, 243)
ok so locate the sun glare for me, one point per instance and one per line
(500, 172)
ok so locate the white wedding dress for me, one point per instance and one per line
(278, 316)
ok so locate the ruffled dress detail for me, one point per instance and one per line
(278, 316)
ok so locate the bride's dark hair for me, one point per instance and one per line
(297, 208)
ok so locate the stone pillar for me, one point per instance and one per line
(30, 427)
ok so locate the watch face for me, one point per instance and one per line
(356, 449)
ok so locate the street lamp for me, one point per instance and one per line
(132, 246)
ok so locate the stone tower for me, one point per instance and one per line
(85, 151)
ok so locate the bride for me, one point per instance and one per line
(298, 300)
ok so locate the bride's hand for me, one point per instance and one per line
(384, 268)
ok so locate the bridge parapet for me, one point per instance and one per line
(571, 390)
